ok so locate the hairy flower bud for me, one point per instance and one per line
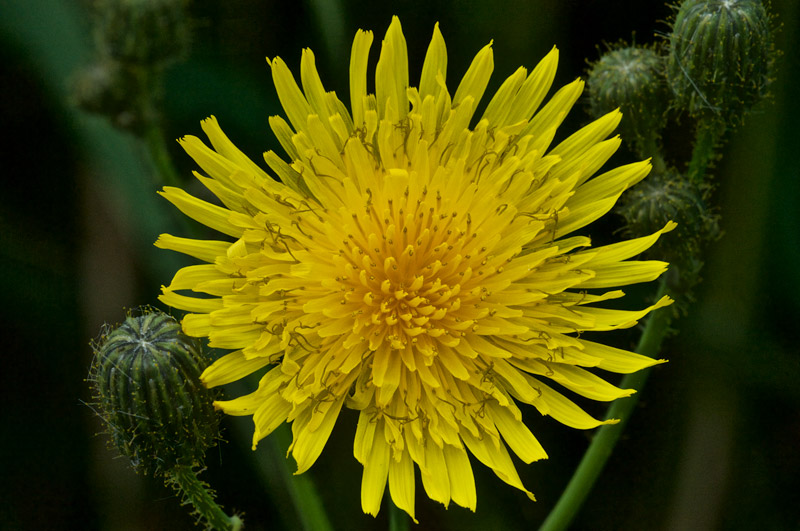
(631, 78)
(671, 197)
(143, 32)
(720, 57)
(145, 378)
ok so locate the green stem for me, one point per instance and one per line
(295, 496)
(196, 492)
(329, 16)
(149, 106)
(649, 148)
(157, 147)
(602, 444)
(398, 519)
(302, 490)
(707, 139)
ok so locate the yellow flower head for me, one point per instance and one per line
(412, 267)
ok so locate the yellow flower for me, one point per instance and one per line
(413, 268)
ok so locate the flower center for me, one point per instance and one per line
(410, 264)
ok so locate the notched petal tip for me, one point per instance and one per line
(666, 300)
(669, 226)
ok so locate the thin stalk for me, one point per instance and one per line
(398, 519)
(706, 141)
(196, 493)
(302, 490)
(149, 107)
(602, 444)
(329, 16)
(296, 496)
(157, 147)
(649, 147)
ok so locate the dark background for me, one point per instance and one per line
(713, 443)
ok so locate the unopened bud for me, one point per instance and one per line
(721, 54)
(669, 196)
(145, 378)
(631, 78)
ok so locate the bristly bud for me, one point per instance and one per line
(145, 378)
(669, 196)
(631, 78)
(721, 55)
(143, 32)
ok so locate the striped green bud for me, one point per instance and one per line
(146, 382)
(665, 197)
(721, 55)
(631, 79)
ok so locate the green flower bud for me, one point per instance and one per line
(632, 79)
(145, 378)
(669, 196)
(143, 32)
(721, 54)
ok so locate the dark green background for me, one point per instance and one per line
(713, 444)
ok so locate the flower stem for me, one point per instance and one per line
(296, 497)
(707, 139)
(603, 442)
(649, 147)
(301, 488)
(157, 147)
(196, 492)
(398, 519)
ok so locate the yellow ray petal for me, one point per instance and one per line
(475, 80)
(617, 252)
(533, 91)
(565, 411)
(517, 435)
(434, 473)
(213, 216)
(401, 483)
(617, 360)
(292, 100)
(230, 368)
(205, 250)
(358, 74)
(435, 65)
(391, 73)
(459, 472)
(189, 304)
(309, 441)
(554, 111)
(373, 480)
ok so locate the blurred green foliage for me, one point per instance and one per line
(713, 444)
